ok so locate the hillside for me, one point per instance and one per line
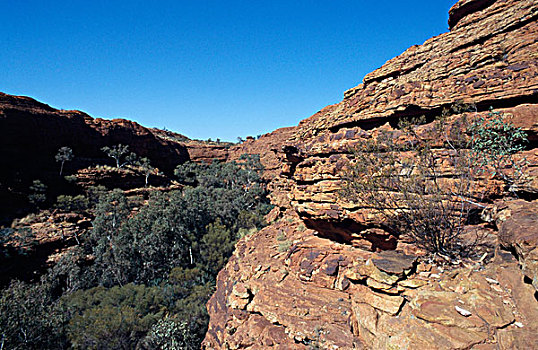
(31, 133)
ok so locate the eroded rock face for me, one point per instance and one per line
(123, 178)
(463, 8)
(324, 276)
(490, 60)
(32, 132)
(289, 288)
(518, 222)
(319, 162)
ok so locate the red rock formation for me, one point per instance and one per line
(123, 178)
(31, 133)
(463, 8)
(207, 152)
(488, 59)
(317, 278)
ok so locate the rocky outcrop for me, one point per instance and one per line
(322, 276)
(288, 288)
(269, 147)
(518, 223)
(461, 66)
(207, 152)
(464, 8)
(39, 240)
(31, 134)
(123, 178)
(317, 165)
(489, 59)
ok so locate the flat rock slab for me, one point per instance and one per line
(394, 263)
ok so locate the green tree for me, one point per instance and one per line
(494, 141)
(113, 318)
(120, 153)
(171, 334)
(16, 241)
(147, 169)
(72, 203)
(187, 173)
(109, 242)
(217, 246)
(37, 194)
(187, 292)
(65, 154)
(167, 251)
(30, 318)
(159, 238)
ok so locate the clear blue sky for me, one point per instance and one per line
(204, 68)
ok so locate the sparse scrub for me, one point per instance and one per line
(71, 178)
(37, 194)
(146, 168)
(17, 241)
(494, 141)
(402, 178)
(170, 334)
(284, 246)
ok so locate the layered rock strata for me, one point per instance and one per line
(324, 276)
(286, 287)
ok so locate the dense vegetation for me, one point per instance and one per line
(140, 279)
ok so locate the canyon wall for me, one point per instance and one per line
(32, 132)
(321, 276)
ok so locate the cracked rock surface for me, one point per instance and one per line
(324, 274)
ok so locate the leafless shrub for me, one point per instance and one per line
(420, 179)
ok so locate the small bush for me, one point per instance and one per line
(494, 141)
(401, 177)
(284, 246)
(37, 194)
(71, 203)
(71, 178)
(16, 241)
(30, 318)
(112, 318)
(170, 334)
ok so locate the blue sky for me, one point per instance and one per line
(206, 69)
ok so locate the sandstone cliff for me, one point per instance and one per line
(32, 132)
(321, 277)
